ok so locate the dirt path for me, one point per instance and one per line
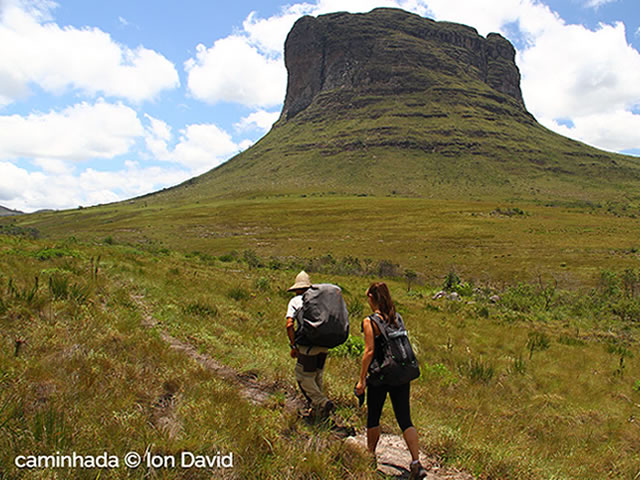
(392, 454)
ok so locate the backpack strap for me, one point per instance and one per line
(379, 321)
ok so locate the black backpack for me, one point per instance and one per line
(396, 364)
(323, 319)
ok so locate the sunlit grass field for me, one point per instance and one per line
(488, 241)
(545, 383)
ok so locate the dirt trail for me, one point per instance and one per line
(392, 454)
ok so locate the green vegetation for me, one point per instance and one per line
(530, 371)
(537, 389)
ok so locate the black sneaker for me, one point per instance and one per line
(417, 471)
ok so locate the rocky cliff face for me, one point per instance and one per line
(390, 51)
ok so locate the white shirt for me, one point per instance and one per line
(295, 304)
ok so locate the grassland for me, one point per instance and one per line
(487, 241)
(543, 384)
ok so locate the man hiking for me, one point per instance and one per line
(310, 358)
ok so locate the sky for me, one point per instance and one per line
(106, 100)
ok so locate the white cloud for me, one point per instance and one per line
(598, 3)
(572, 71)
(614, 131)
(204, 146)
(79, 132)
(31, 191)
(233, 70)
(200, 147)
(60, 58)
(260, 120)
(247, 67)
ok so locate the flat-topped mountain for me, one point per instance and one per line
(391, 103)
(390, 52)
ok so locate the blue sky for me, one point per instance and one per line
(101, 101)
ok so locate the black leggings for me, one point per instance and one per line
(399, 400)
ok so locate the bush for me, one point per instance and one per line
(477, 370)
(201, 309)
(451, 281)
(262, 284)
(59, 287)
(353, 347)
(251, 258)
(537, 341)
(609, 283)
(521, 298)
(238, 294)
(628, 309)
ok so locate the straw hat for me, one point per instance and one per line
(302, 281)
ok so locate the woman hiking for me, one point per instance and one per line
(385, 316)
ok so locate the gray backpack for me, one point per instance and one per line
(323, 319)
(396, 363)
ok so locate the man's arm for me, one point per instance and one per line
(291, 333)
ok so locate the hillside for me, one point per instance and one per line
(400, 139)
(7, 212)
(390, 103)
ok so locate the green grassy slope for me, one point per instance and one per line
(544, 384)
(416, 116)
(488, 241)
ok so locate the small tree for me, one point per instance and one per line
(411, 276)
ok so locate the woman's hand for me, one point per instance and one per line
(360, 386)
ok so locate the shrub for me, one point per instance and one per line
(238, 294)
(521, 298)
(537, 341)
(59, 287)
(451, 281)
(609, 283)
(262, 284)
(628, 309)
(353, 347)
(251, 258)
(386, 268)
(464, 289)
(477, 370)
(49, 253)
(201, 309)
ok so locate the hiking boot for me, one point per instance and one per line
(417, 471)
(326, 410)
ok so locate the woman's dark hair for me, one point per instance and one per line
(382, 298)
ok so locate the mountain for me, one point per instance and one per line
(6, 212)
(391, 103)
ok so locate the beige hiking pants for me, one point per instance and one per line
(309, 370)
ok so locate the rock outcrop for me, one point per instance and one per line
(390, 51)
